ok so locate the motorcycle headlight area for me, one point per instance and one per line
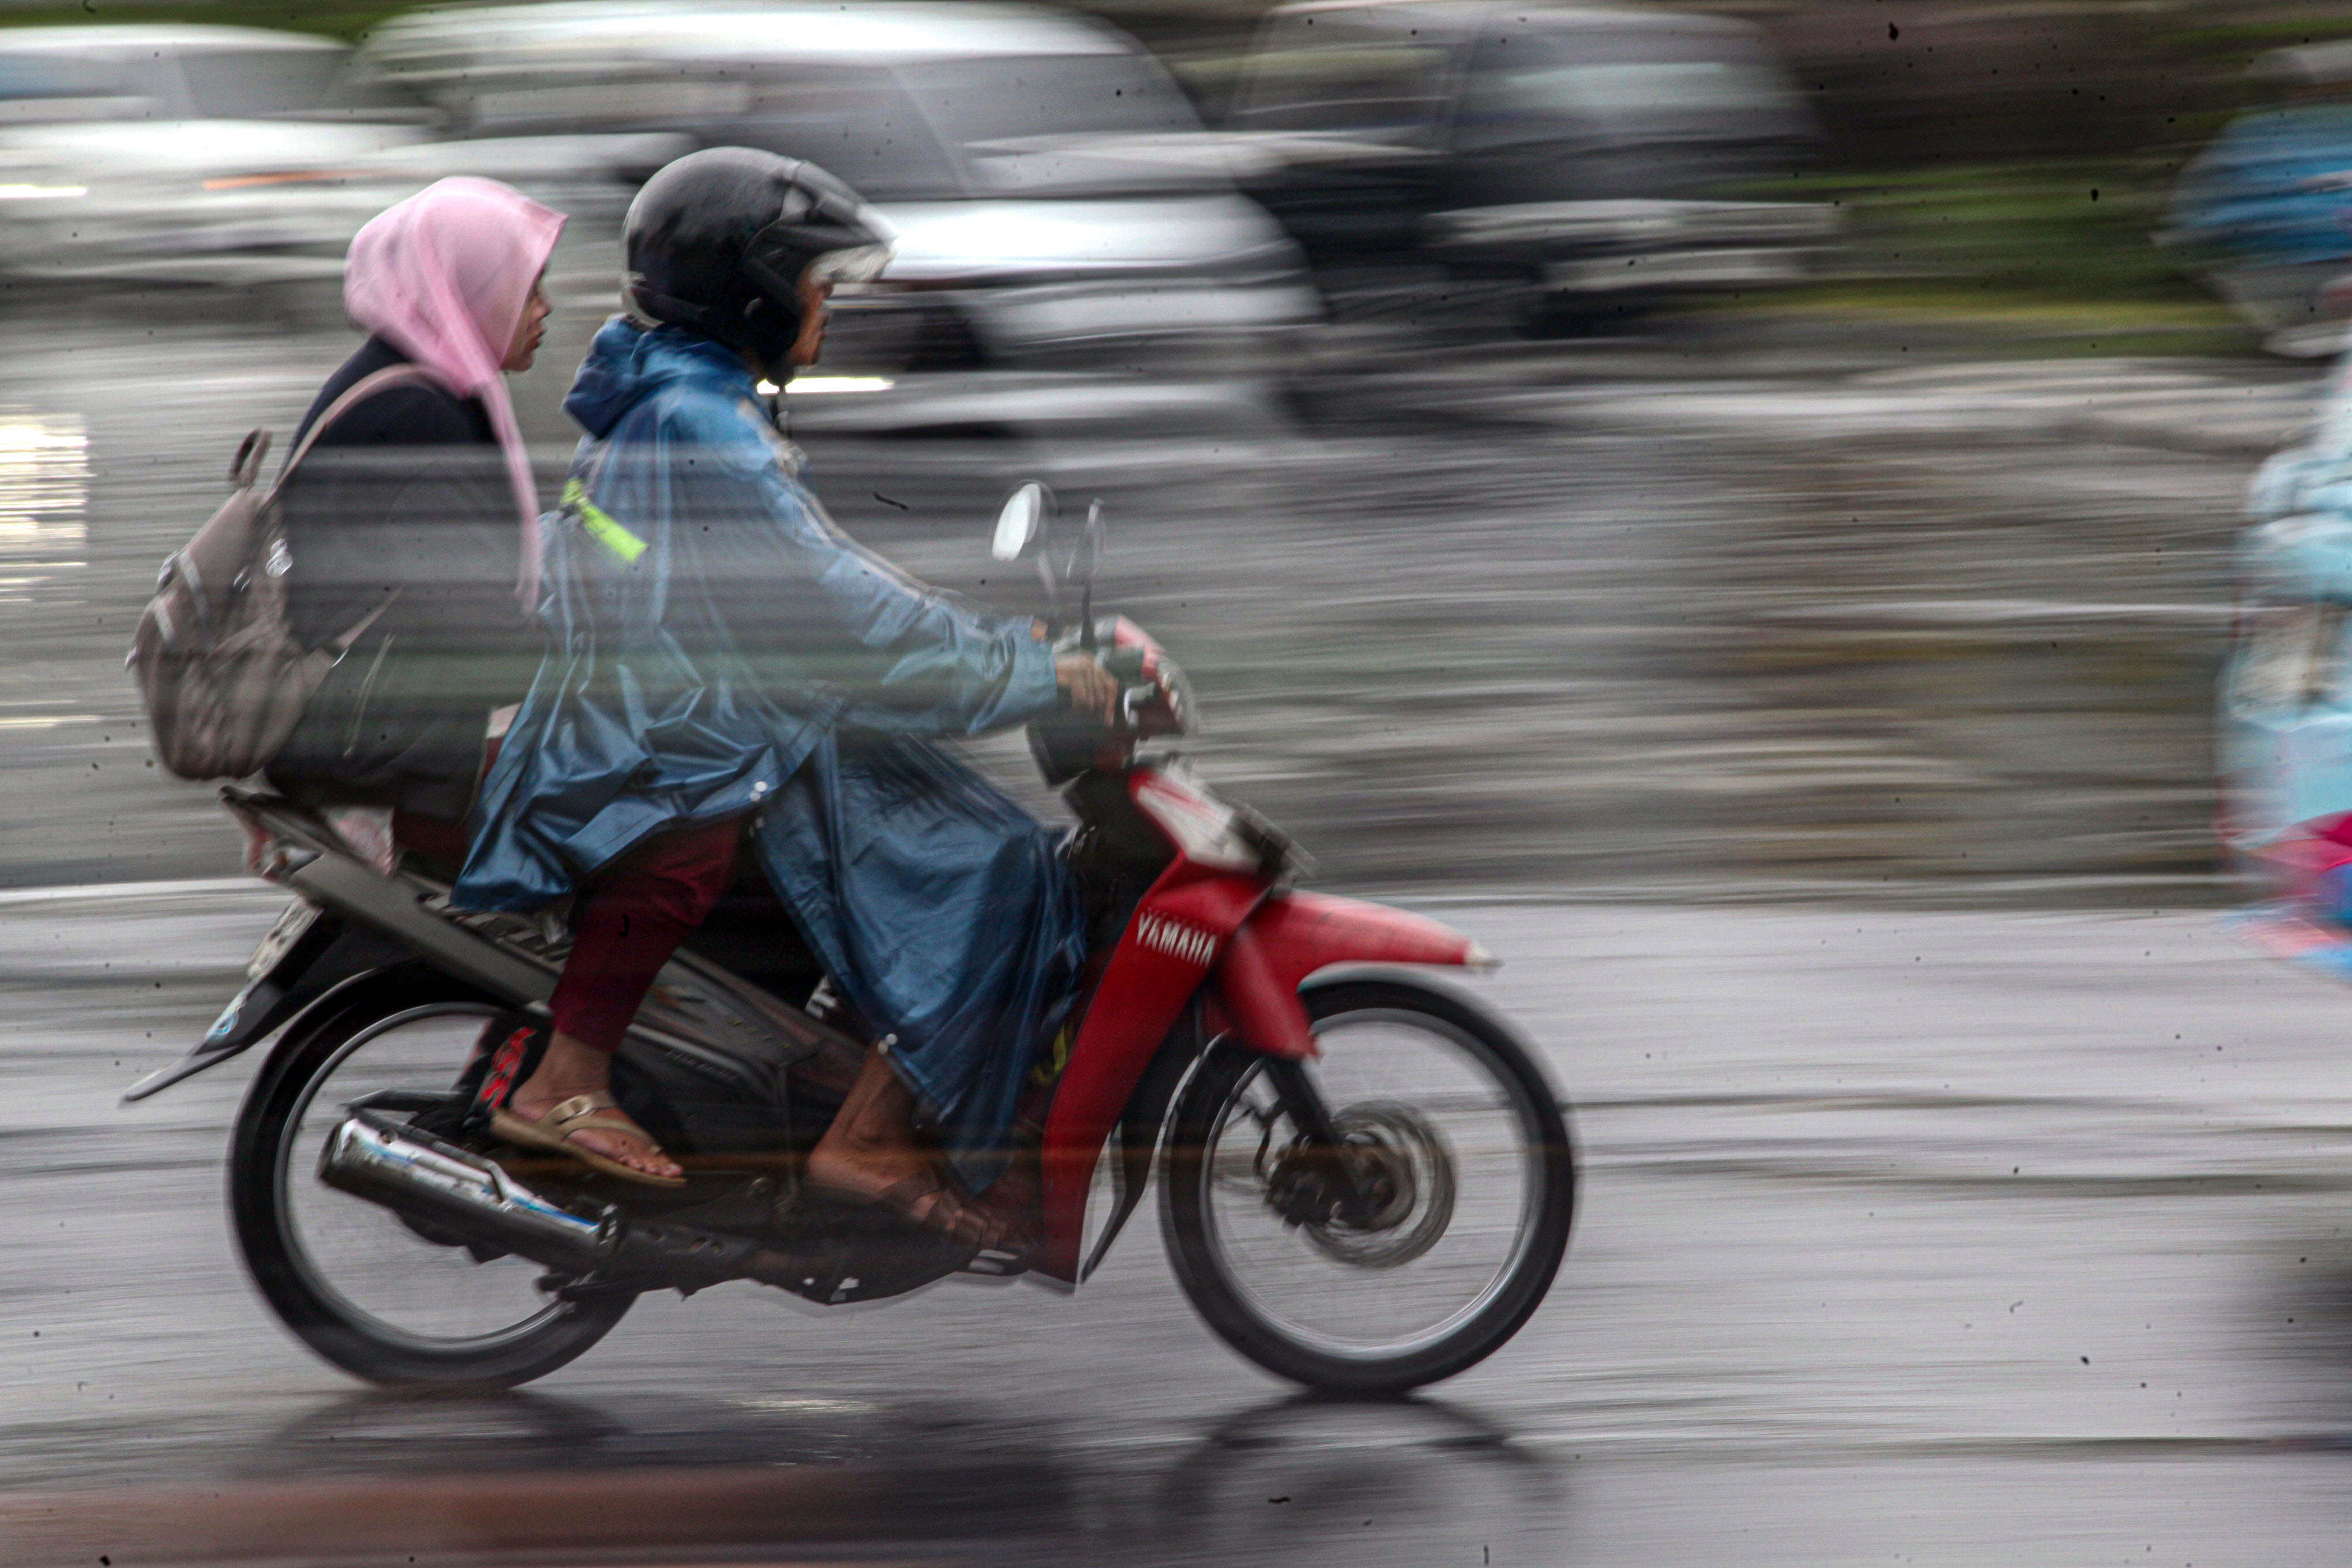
(1210, 831)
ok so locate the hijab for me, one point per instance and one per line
(444, 277)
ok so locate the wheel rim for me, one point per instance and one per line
(379, 1275)
(1443, 1118)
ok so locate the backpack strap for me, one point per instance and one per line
(359, 392)
(246, 466)
(344, 644)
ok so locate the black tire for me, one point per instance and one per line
(1199, 1252)
(263, 1164)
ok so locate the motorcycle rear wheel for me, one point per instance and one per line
(362, 1290)
(1480, 1178)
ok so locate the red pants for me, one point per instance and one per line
(636, 912)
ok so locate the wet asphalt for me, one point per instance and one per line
(1942, 1236)
(1822, 749)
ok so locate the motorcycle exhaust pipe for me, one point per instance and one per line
(460, 1193)
(418, 1175)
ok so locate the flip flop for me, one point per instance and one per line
(566, 1120)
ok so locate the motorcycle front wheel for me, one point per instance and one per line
(380, 1298)
(1457, 1138)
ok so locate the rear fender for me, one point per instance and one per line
(330, 955)
(206, 1056)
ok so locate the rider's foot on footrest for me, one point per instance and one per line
(924, 1201)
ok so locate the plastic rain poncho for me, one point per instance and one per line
(2283, 747)
(719, 647)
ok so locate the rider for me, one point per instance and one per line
(726, 666)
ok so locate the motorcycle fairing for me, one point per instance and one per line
(1162, 960)
(1139, 1124)
(697, 1009)
(1198, 925)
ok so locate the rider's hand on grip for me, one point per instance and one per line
(1087, 687)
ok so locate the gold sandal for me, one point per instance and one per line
(566, 1120)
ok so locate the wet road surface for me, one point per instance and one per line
(1928, 1236)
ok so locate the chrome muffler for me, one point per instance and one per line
(418, 1175)
(468, 1196)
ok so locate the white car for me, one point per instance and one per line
(188, 153)
(1059, 205)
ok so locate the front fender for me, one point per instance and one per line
(1291, 935)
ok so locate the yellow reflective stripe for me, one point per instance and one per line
(600, 525)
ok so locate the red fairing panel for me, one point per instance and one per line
(1298, 933)
(1262, 1007)
(1171, 941)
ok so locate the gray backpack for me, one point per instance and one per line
(224, 678)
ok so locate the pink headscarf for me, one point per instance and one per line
(444, 277)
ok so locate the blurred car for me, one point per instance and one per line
(1570, 155)
(195, 154)
(1059, 205)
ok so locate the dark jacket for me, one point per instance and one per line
(403, 505)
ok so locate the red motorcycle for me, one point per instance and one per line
(1366, 1180)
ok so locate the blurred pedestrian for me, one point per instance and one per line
(417, 505)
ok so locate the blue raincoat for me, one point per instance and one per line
(719, 647)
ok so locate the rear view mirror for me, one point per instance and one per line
(1021, 523)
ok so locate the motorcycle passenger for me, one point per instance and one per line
(417, 506)
(728, 668)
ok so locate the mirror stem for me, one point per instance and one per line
(1089, 551)
(1053, 597)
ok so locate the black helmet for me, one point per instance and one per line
(719, 241)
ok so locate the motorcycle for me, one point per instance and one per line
(1366, 1180)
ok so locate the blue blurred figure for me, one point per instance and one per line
(2270, 203)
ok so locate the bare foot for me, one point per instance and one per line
(570, 1068)
(926, 1198)
(870, 1150)
(869, 1173)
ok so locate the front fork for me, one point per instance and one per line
(1321, 1179)
(1302, 1102)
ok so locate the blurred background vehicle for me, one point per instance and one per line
(188, 154)
(1064, 218)
(1570, 162)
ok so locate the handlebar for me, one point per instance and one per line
(1153, 700)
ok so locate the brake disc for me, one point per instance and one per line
(1415, 1164)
